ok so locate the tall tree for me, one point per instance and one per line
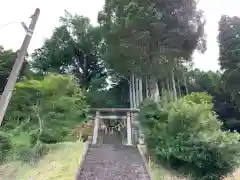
(213, 83)
(73, 48)
(229, 43)
(204, 81)
(7, 59)
(146, 36)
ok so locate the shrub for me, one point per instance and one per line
(32, 154)
(49, 136)
(40, 149)
(198, 98)
(167, 96)
(5, 146)
(54, 103)
(187, 134)
(84, 130)
(21, 145)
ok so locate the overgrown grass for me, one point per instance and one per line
(60, 163)
(160, 172)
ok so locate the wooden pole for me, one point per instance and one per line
(96, 127)
(129, 129)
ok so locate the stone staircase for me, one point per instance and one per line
(110, 160)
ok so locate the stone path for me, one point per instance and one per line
(110, 160)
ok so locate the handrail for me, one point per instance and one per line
(132, 110)
(109, 117)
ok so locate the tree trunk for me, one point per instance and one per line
(147, 87)
(154, 92)
(130, 92)
(134, 91)
(140, 90)
(179, 88)
(160, 87)
(185, 82)
(174, 85)
(163, 85)
(137, 92)
(168, 84)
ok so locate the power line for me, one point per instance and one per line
(10, 23)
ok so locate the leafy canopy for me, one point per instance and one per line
(229, 45)
(72, 49)
(146, 37)
(54, 104)
(7, 59)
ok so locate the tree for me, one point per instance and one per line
(52, 105)
(204, 81)
(223, 104)
(118, 94)
(148, 38)
(7, 59)
(73, 48)
(40, 112)
(229, 44)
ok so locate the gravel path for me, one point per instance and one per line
(110, 160)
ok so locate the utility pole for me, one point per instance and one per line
(7, 93)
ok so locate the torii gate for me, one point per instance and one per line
(138, 91)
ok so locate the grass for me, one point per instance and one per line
(159, 172)
(162, 173)
(60, 163)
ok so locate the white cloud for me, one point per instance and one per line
(11, 36)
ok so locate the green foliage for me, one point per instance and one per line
(198, 98)
(148, 37)
(167, 96)
(204, 81)
(43, 111)
(5, 146)
(115, 96)
(229, 43)
(7, 59)
(33, 154)
(188, 135)
(74, 48)
(54, 99)
(19, 146)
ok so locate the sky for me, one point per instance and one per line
(12, 12)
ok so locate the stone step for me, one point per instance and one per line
(110, 160)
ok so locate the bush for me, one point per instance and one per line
(5, 146)
(198, 98)
(167, 96)
(40, 149)
(33, 154)
(21, 145)
(50, 136)
(187, 134)
(84, 130)
(43, 111)
(55, 104)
